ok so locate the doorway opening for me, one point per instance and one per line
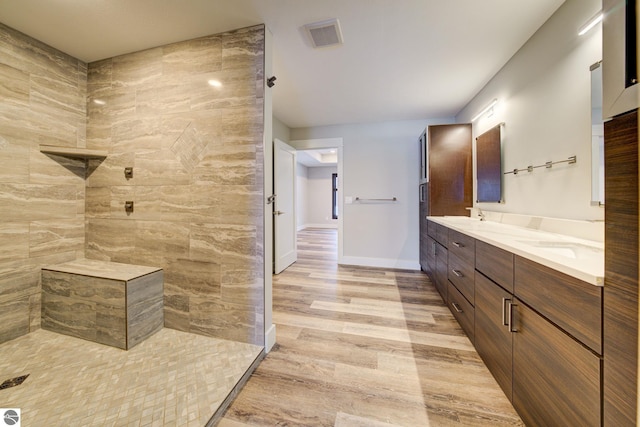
(317, 189)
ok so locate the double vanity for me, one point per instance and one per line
(528, 293)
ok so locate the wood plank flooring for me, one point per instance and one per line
(365, 347)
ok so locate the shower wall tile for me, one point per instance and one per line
(14, 241)
(110, 239)
(43, 93)
(110, 171)
(193, 278)
(52, 169)
(196, 151)
(224, 242)
(52, 236)
(14, 318)
(14, 157)
(192, 58)
(160, 167)
(14, 85)
(25, 202)
(138, 68)
(158, 240)
(237, 324)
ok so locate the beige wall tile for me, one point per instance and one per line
(14, 85)
(50, 236)
(14, 241)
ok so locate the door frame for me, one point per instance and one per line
(292, 256)
(323, 143)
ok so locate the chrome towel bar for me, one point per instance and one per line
(547, 165)
(360, 199)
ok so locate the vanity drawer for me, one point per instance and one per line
(463, 246)
(570, 303)
(438, 232)
(495, 263)
(461, 274)
(462, 310)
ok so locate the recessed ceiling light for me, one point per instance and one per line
(215, 83)
(99, 102)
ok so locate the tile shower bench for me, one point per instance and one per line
(106, 302)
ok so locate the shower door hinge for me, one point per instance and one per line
(271, 199)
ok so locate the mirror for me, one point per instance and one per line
(489, 166)
(597, 136)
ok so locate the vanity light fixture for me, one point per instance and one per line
(488, 108)
(591, 23)
(214, 83)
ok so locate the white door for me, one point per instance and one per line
(284, 218)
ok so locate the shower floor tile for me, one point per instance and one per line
(172, 378)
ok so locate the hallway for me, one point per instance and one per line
(365, 347)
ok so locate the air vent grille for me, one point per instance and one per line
(324, 33)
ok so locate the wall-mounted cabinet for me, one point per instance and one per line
(621, 90)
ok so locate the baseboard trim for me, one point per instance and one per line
(270, 338)
(399, 264)
(302, 227)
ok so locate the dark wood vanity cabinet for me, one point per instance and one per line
(437, 256)
(539, 331)
(440, 276)
(556, 380)
(493, 337)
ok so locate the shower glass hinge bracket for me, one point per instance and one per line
(271, 199)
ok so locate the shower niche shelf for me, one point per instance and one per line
(72, 152)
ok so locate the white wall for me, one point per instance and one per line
(302, 174)
(380, 160)
(281, 131)
(543, 97)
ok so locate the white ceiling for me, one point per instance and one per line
(325, 157)
(401, 59)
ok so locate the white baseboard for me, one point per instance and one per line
(402, 264)
(302, 227)
(270, 338)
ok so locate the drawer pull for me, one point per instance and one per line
(457, 273)
(458, 244)
(456, 307)
(504, 311)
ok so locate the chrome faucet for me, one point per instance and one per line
(481, 214)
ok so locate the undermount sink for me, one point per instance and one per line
(566, 249)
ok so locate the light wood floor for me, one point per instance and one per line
(365, 347)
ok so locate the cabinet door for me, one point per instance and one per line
(424, 234)
(450, 169)
(556, 380)
(430, 265)
(441, 271)
(493, 340)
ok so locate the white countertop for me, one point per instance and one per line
(580, 258)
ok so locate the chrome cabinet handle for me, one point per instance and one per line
(457, 273)
(456, 307)
(510, 324)
(504, 311)
(458, 244)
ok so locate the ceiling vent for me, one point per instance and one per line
(324, 33)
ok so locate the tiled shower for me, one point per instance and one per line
(188, 119)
